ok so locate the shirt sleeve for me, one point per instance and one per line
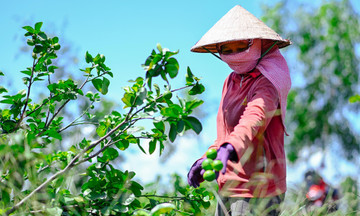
(219, 119)
(263, 103)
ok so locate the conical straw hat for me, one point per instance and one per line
(237, 24)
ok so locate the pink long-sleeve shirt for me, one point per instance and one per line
(249, 118)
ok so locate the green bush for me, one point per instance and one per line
(39, 177)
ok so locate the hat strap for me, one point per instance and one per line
(262, 55)
(268, 50)
(212, 53)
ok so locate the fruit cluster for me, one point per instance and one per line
(210, 165)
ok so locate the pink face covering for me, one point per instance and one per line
(245, 61)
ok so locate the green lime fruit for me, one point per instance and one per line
(209, 175)
(207, 164)
(56, 46)
(217, 165)
(211, 153)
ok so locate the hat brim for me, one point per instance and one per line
(212, 47)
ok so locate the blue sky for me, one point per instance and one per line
(126, 32)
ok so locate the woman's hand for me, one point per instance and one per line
(226, 152)
(195, 175)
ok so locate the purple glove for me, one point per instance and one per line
(224, 153)
(195, 175)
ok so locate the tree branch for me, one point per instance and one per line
(72, 123)
(67, 101)
(105, 146)
(27, 95)
(168, 197)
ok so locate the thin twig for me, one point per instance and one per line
(222, 205)
(103, 148)
(58, 111)
(100, 75)
(67, 101)
(28, 114)
(72, 123)
(37, 108)
(27, 95)
(168, 197)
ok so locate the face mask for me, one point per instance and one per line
(245, 61)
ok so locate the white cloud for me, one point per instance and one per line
(148, 167)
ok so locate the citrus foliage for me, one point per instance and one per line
(38, 177)
(326, 74)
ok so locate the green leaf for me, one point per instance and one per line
(141, 148)
(354, 99)
(292, 156)
(162, 208)
(136, 188)
(88, 57)
(161, 148)
(97, 59)
(37, 79)
(79, 91)
(172, 67)
(152, 146)
(197, 89)
(52, 68)
(38, 26)
(172, 132)
(101, 85)
(189, 77)
(110, 154)
(55, 40)
(3, 90)
(5, 196)
(191, 105)
(168, 54)
(157, 89)
(163, 76)
(1, 73)
(128, 99)
(84, 143)
(194, 124)
(102, 58)
(97, 84)
(53, 133)
(8, 126)
(30, 42)
(38, 49)
(122, 144)
(29, 29)
(158, 46)
(160, 126)
(142, 212)
(141, 95)
(43, 36)
(101, 130)
(180, 126)
(87, 192)
(174, 110)
(54, 211)
(6, 113)
(105, 86)
(149, 81)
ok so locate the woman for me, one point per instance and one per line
(250, 121)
